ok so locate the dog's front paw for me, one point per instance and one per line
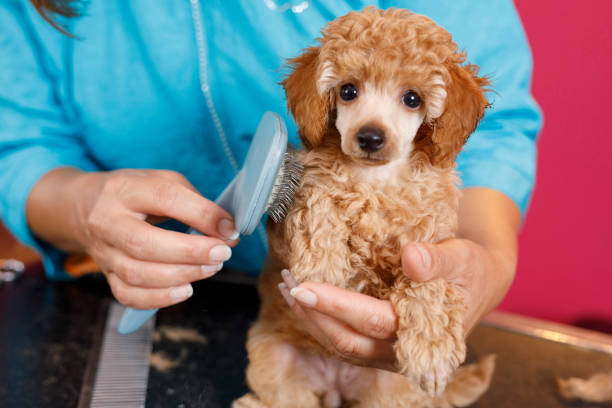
(248, 401)
(430, 364)
(430, 344)
(435, 382)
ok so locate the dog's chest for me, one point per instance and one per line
(379, 222)
(350, 233)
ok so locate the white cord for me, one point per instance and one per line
(196, 14)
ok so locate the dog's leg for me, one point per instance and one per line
(394, 390)
(248, 401)
(470, 382)
(312, 242)
(430, 343)
(274, 374)
(390, 390)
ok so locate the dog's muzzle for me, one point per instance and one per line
(370, 139)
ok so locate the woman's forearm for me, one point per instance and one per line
(492, 220)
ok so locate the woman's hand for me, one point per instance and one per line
(361, 328)
(106, 215)
(475, 270)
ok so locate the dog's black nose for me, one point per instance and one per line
(371, 139)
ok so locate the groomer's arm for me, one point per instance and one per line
(481, 261)
(105, 214)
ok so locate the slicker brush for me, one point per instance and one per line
(286, 186)
(267, 182)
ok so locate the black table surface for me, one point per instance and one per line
(48, 330)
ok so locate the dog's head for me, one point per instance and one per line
(392, 82)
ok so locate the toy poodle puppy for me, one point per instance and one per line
(383, 104)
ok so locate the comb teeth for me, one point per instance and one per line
(286, 185)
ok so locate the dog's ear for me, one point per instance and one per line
(310, 109)
(464, 108)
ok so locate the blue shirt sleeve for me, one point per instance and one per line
(38, 129)
(501, 154)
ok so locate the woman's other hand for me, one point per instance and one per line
(481, 262)
(359, 328)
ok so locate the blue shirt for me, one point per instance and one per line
(126, 93)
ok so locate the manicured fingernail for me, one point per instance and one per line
(210, 270)
(181, 292)
(304, 296)
(424, 255)
(288, 278)
(284, 290)
(227, 229)
(220, 253)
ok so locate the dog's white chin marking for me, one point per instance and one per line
(379, 175)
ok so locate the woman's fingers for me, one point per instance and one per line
(148, 193)
(367, 315)
(288, 279)
(462, 263)
(144, 274)
(422, 262)
(145, 242)
(301, 315)
(340, 338)
(147, 266)
(147, 298)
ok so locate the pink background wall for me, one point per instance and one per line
(565, 263)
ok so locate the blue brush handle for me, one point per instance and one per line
(245, 198)
(133, 319)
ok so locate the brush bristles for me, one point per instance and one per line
(286, 185)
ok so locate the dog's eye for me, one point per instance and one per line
(348, 92)
(411, 99)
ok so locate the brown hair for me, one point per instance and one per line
(49, 8)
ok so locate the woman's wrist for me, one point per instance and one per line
(57, 206)
(490, 220)
(497, 273)
(84, 188)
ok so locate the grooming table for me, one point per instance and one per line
(53, 333)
